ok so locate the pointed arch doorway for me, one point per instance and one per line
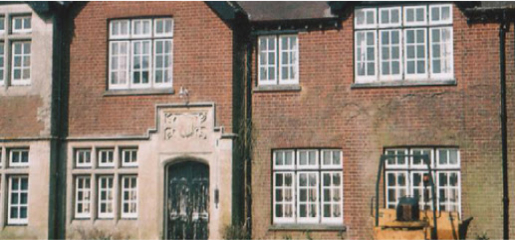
(187, 200)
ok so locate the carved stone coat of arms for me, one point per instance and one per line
(185, 125)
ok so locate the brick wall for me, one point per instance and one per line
(328, 113)
(19, 116)
(202, 54)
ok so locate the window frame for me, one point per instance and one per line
(431, 57)
(414, 7)
(19, 151)
(390, 45)
(85, 164)
(23, 30)
(365, 78)
(123, 189)
(85, 202)
(108, 201)
(21, 81)
(295, 172)
(308, 202)
(436, 169)
(295, 64)
(3, 67)
(130, 39)
(415, 45)
(109, 154)
(389, 9)
(123, 161)
(278, 65)
(440, 7)
(331, 220)
(18, 220)
(3, 29)
(404, 26)
(365, 25)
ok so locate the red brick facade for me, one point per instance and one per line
(328, 112)
(202, 63)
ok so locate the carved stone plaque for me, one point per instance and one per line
(185, 125)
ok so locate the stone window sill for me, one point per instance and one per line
(138, 92)
(310, 227)
(405, 83)
(278, 88)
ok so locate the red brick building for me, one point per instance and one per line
(368, 80)
(176, 120)
(154, 104)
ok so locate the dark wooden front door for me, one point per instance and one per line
(188, 199)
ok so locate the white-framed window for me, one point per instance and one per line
(106, 158)
(21, 62)
(129, 197)
(129, 157)
(284, 159)
(15, 49)
(82, 197)
(399, 161)
(440, 14)
(389, 17)
(83, 158)
(365, 18)
(415, 15)
(366, 51)
(18, 157)
(278, 60)
(140, 53)
(307, 158)
(409, 179)
(396, 187)
(105, 196)
(412, 42)
(21, 24)
(18, 200)
(2, 24)
(331, 158)
(307, 189)
(2, 63)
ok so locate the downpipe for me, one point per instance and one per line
(503, 28)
